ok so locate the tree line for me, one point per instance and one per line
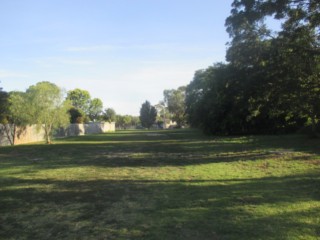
(271, 82)
(49, 107)
(171, 108)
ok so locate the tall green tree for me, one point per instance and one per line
(109, 115)
(95, 109)
(148, 114)
(48, 107)
(18, 115)
(285, 62)
(195, 92)
(163, 115)
(42, 104)
(175, 101)
(271, 83)
(80, 99)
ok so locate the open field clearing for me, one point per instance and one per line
(175, 184)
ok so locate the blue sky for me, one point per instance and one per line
(122, 51)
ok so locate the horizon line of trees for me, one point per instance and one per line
(269, 84)
(49, 107)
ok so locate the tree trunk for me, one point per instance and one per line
(10, 133)
(47, 131)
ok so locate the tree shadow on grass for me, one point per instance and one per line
(267, 208)
(190, 148)
(52, 157)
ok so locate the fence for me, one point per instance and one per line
(31, 133)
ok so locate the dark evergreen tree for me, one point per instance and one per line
(148, 114)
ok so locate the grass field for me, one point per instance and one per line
(174, 185)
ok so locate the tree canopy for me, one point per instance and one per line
(148, 114)
(42, 104)
(109, 115)
(81, 100)
(95, 109)
(175, 102)
(272, 80)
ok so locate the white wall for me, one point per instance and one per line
(31, 133)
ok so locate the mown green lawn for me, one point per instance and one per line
(174, 185)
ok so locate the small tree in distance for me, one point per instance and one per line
(109, 115)
(95, 109)
(76, 115)
(148, 114)
(80, 99)
(175, 100)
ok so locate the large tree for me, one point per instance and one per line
(80, 99)
(17, 115)
(163, 113)
(284, 63)
(148, 114)
(271, 83)
(42, 104)
(95, 109)
(109, 115)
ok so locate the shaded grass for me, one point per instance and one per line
(161, 185)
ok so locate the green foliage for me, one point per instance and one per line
(4, 105)
(7, 130)
(42, 104)
(95, 109)
(135, 121)
(163, 114)
(126, 121)
(80, 99)
(109, 115)
(289, 57)
(76, 115)
(148, 114)
(48, 107)
(271, 83)
(175, 101)
(20, 111)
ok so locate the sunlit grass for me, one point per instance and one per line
(174, 184)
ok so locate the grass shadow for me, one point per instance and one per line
(118, 209)
(122, 186)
